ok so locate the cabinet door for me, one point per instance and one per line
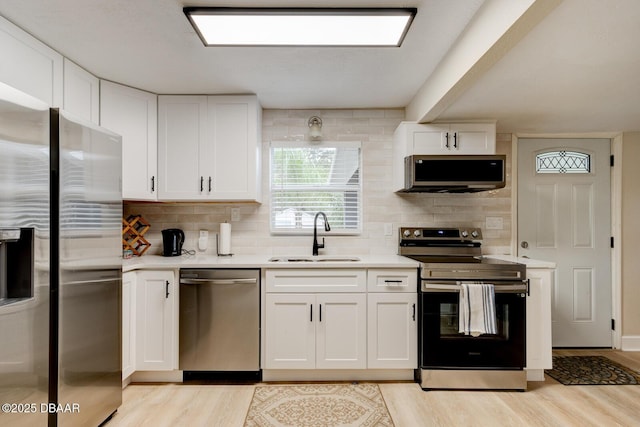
(430, 139)
(81, 92)
(230, 160)
(290, 331)
(128, 323)
(182, 133)
(133, 114)
(341, 331)
(472, 138)
(155, 321)
(392, 331)
(539, 352)
(29, 65)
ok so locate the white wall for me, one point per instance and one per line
(630, 239)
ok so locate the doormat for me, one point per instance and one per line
(318, 405)
(591, 370)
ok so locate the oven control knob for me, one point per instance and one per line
(416, 233)
(406, 233)
(474, 234)
(464, 233)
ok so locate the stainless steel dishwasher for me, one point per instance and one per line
(219, 321)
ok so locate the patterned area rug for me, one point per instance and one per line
(591, 370)
(318, 405)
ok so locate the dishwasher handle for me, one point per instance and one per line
(252, 281)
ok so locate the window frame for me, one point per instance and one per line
(309, 231)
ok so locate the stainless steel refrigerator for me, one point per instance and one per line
(60, 266)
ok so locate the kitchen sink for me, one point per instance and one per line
(320, 258)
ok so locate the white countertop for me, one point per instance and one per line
(158, 262)
(530, 263)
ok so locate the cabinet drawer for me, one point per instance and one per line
(392, 280)
(316, 280)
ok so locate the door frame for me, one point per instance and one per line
(616, 214)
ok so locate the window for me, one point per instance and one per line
(310, 178)
(563, 162)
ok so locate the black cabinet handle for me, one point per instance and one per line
(446, 139)
(321, 312)
(455, 140)
(201, 184)
(392, 281)
(166, 290)
(413, 316)
(209, 184)
(153, 184)
(311, 313)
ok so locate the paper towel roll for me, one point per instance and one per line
(224, 239)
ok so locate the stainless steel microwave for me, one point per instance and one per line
(453, 174)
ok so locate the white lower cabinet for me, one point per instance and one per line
(316, 331)
(392, 330)
(392, 323)
(156, 321)
(539, 351)
(350, 319)
(128, 323)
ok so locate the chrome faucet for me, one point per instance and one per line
(317, 245)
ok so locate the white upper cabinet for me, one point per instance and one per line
(133, 114)
(182, 134)
(209, 148)
(446, 138)
(29, 65)
(81, 92)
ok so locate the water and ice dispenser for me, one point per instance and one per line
(16, 264)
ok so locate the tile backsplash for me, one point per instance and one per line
(491, 211)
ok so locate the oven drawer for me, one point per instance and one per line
(392, 280)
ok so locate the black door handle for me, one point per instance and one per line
(166, 290)
(321, 312)
(201, 184)
(153, 184)
(311, 313)
(455, 140)
(413, 316)
(209, 184)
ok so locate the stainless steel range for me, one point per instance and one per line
(451, 258)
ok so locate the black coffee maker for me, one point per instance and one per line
(172, 240)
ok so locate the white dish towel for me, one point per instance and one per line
(477, 309)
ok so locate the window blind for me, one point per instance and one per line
(306, 179)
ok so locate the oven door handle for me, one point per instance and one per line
(513, 288)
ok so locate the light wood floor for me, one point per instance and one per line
(546, 403)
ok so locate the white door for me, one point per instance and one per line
(290, 340)
(133, 114)
(182, 133)
(392, 330)
(155, 321)
(564, 216)
(341, 331)
(128, 323)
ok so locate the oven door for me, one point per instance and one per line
(443, 347)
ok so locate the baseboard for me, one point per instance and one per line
(535, 374)
(630, 343)
(156, 376)
(338, 375)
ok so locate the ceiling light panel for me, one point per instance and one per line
(300, 27)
